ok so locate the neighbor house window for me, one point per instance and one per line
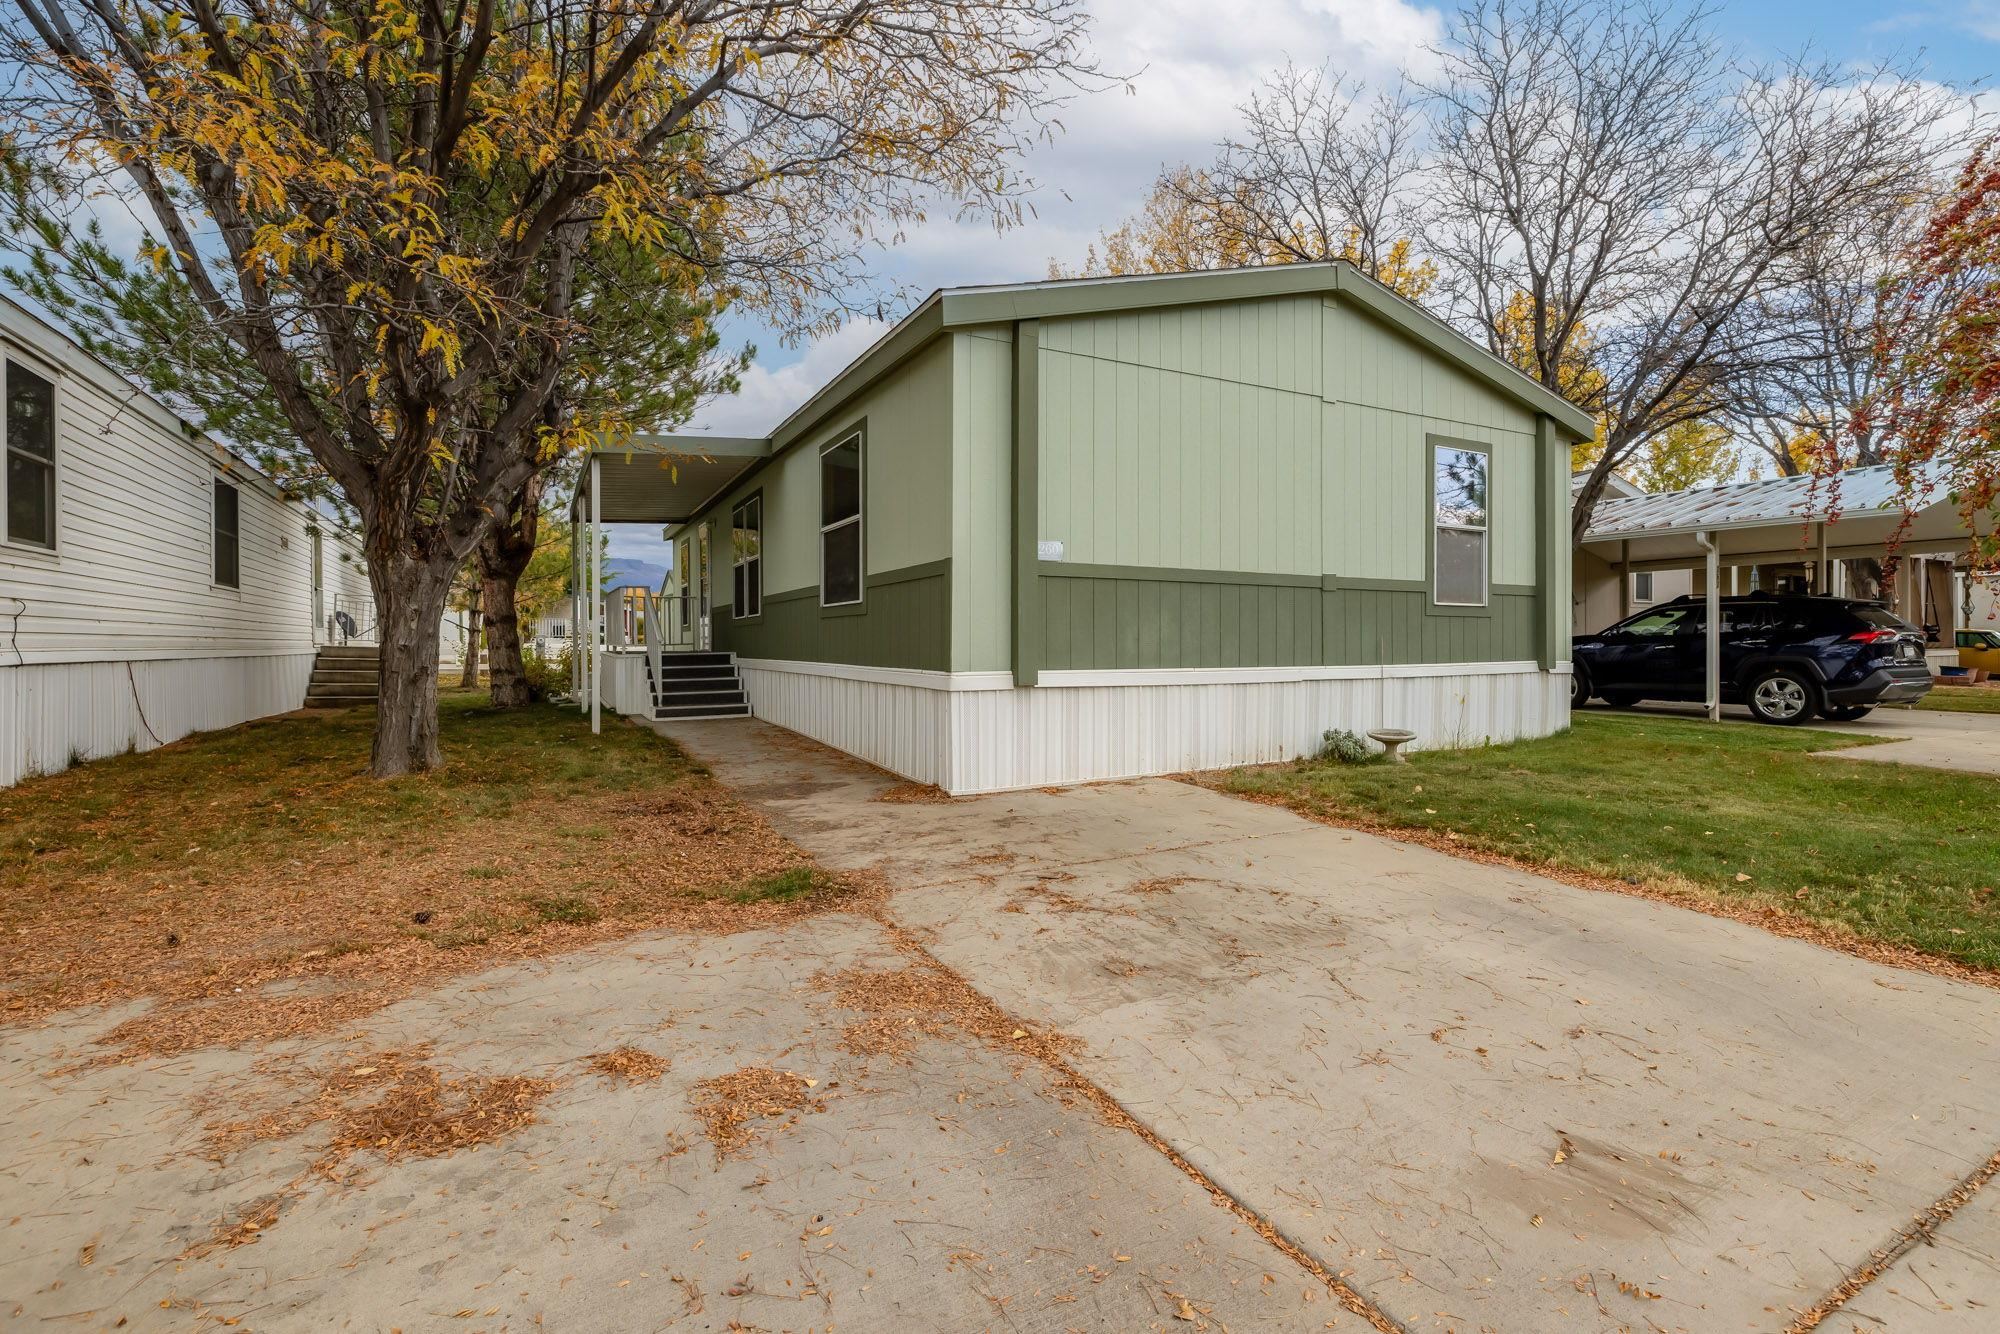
(31, 458)
(746, 546)
(1459, 502)
(840, 523)
(1642, 587)
(226, 535)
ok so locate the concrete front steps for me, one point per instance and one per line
(345, 676)
(698, 685)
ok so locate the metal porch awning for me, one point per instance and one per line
(1771, 521)
(662, 478)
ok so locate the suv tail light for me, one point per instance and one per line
(1874, 636)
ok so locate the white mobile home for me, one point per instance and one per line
(152, 584)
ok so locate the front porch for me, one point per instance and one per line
(649, 652)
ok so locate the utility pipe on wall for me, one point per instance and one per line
(1713, 648)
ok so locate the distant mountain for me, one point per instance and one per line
(619, 570)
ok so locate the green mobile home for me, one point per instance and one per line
(1067, 531)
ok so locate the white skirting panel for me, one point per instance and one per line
(902, 728)
(54, 713)
(625, 689)
(989, 740)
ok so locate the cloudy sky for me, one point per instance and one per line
(1192, 62)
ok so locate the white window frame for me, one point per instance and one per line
(737, 560)
(9, 357)
(1643, 592)
(216, 480)
(860, 511)
(1485, 530)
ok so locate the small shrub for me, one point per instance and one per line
(1340, 746)
(547, 676)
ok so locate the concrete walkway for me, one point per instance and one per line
(1930, 738)
(954, 1190)
(1492, 1101)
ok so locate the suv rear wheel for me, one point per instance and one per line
(1579, 686)
(1783, 696)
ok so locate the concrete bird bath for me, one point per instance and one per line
(1393, 739)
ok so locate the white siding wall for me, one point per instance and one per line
(120, 638)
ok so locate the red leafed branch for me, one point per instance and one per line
(1938, 346)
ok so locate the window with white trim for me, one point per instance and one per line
(1642, 586)
(840, 523)
(228, 514)
(1459, 505)
(31, 457)
(746, 556)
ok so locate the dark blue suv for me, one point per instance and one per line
(1785, 657)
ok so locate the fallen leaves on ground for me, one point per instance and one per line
(629, 1065)
(731, 1106)
(913, 794)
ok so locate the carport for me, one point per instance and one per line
(1728, 534)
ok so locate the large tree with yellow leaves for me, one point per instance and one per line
(385, 204)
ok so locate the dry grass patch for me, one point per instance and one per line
(256, 883)
(732, 1107)
(629, 1065)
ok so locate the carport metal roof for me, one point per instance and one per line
(1774, 519)
(663, 478)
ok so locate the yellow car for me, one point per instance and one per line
(1981, 649)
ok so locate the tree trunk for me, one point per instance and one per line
(505, 671)
(503, 558)
(468, 672)
(412, 595)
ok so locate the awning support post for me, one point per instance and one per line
(1713, 648)
(575, 607)
(596, 596)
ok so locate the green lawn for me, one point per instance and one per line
(1894, 852)
(1961, 699)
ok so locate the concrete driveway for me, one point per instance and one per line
(1933, 739)
(1489, 1100)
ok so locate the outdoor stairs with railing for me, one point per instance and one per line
(698, 685)
(345, 676)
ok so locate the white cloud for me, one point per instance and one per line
(1191, 64)
(770, 393)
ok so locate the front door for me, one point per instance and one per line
(701, 570)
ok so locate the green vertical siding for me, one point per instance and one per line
(907, 623)
(1238, 448)
(982, 521)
